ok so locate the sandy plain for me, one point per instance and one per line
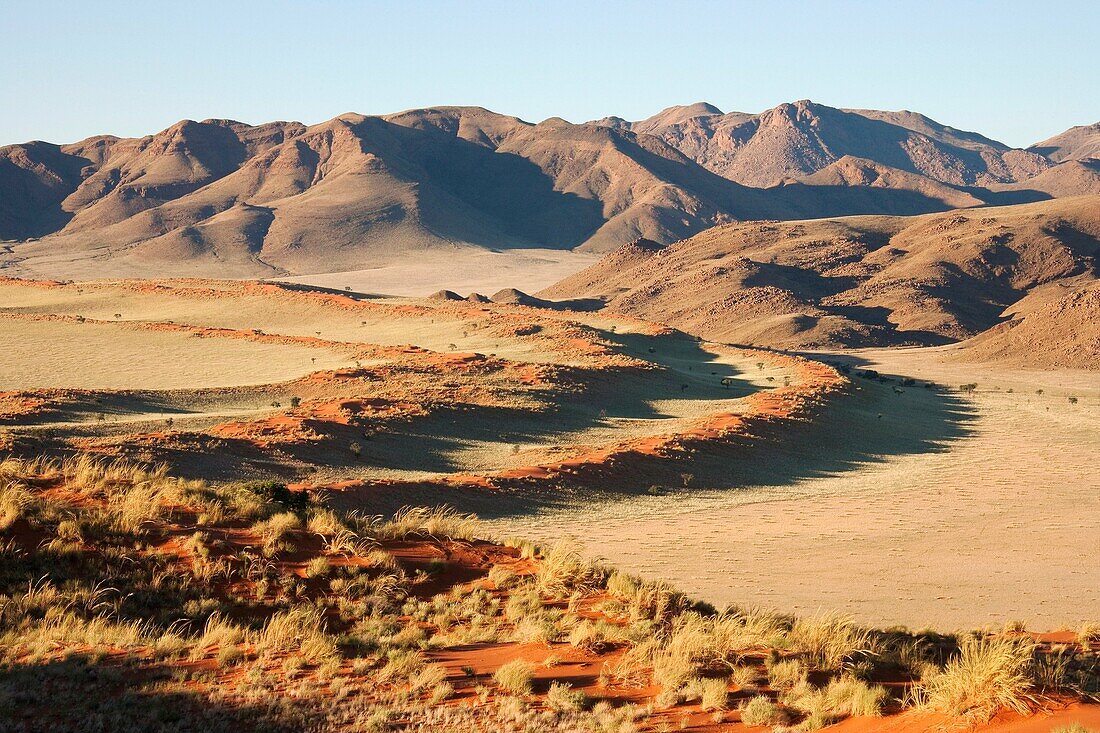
(924, 508)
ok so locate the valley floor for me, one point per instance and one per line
(896, 502)
(464, 271)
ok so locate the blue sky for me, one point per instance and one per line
(1015, 71)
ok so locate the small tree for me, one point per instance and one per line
(1073, 400)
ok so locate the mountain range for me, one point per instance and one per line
(220, 197)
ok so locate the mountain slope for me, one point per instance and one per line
(1076, 143)
(1052, 328)
(852, 281)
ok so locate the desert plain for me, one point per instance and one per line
(447, 421)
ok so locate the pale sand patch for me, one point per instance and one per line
(1001, 523)
(463, 271)
(41, 354)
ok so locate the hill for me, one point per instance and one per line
(860, 281)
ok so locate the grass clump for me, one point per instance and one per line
(562, 698)
(986, 675)
(563, 571)
(829, 641)
(440, 521)
(515, 677)
(760, 710)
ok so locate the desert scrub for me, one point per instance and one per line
(276, 532)
(563, 570)
(354, 648)
(829, 641)
(762, 711)
(561, 697)
(986, 675)
(515, 677)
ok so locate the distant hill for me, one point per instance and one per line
(1076, 143)
(870, 280)
(219, 197)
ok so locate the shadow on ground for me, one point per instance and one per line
(81, 694)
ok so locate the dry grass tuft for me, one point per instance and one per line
(986, 675)
(515, 677)
(563, 570)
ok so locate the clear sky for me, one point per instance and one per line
(1015, 71)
